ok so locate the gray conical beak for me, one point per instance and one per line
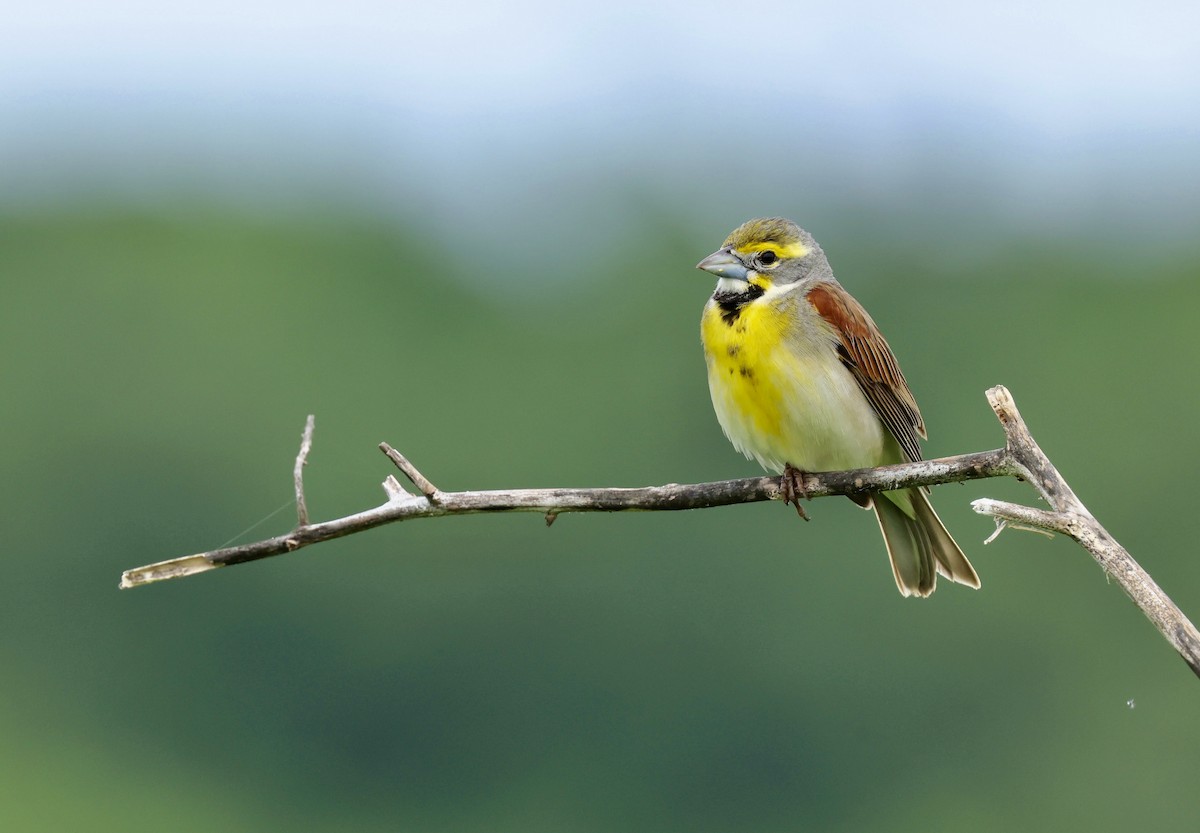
(723, 264)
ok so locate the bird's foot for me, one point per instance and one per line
(791, 486)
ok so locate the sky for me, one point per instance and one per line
(1086, 101)
(1057, 65)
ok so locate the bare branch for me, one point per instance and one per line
(1070, 517)
(298, 471)
(393, 489)
(1021, 457)
(403, 506)
(410, 471)
(1017, 515)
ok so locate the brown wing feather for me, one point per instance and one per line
(866, 353)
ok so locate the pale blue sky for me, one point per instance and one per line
(1057, 95)
(1056, 64)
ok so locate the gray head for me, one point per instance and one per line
(768, 252)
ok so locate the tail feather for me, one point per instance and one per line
(951, 562)
(918, 544)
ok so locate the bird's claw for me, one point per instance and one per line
(791, 486)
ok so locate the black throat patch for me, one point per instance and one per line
(732, 303)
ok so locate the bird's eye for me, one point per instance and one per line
(767, 258)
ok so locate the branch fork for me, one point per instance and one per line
(410, 471)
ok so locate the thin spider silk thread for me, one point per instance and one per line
(259, 522)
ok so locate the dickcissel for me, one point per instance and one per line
(802, 380)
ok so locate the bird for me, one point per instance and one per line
(802, 380)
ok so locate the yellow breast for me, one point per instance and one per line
(743, 364)
(782, 394)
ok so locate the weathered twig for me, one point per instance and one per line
(410, 471)
(402, 505)
(1021, 457)
(1069, 516)
(298, 471)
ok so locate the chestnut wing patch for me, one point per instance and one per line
(866, 354)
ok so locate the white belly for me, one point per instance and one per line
(806, 410)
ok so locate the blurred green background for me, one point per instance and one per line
(198, 248)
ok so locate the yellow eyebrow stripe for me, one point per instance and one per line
(796, 249)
